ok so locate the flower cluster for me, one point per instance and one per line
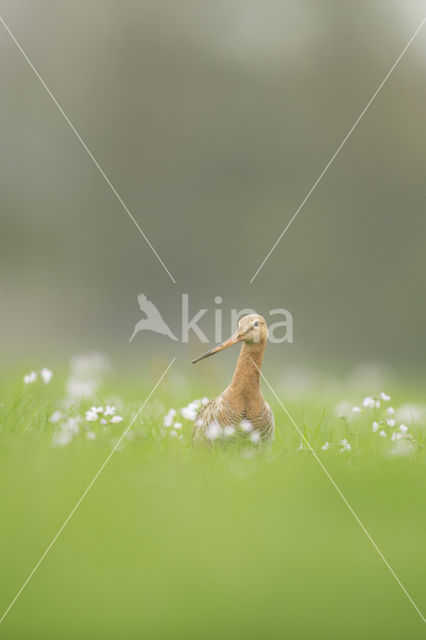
(214, 431)
(45, 375)
(95, 413)
(189, 412)
(70, 426)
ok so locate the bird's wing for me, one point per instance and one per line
(148, 307)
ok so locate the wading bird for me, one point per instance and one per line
(242, 403)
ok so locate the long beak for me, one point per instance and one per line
(237, 337)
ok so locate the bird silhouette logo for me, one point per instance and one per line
(153, 320)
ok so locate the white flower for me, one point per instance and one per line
(356, 410)
(255, 437)
(98, 409)
(345, 445)
(177, 425)
(56, 416)
(375, 426)
(204, 401)
(384, 396)
(228, 431)
(29, 378)
(71, 425)
(169, 417)
(390, 411)
(61, 438)
(213, 431)
(173, 433)
(403, 428)
(46, 375)
(325, 446)
(246, 426)
(382, 433)
(91, 415)
(343, 410)
(109, 411)
(390, 423)
(91, 435)
(369, 402)
(396, 436)
(103, 421)
(116, 419)
(411, 413)
(189, 412)
(79, 389)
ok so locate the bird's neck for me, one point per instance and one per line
(246, 378)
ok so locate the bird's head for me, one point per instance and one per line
(252, 329)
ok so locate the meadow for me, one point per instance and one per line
(238, 541)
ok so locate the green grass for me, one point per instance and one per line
(234, 543)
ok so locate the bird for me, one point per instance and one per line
(153, 320)
(242, 403)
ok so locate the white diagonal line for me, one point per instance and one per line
(342, 496)
(90, 154)
(85, 492)
(333, 157)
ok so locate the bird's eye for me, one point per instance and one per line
(256, 324)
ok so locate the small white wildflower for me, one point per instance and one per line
(403, 428)
(116, 419)
(98, 409)
(169, 417)
(375, 426)
(246, 426)
(213, 431)
(177, 425)
(103, 421)
(390, 411)
(255, 437)
(369, 402)
(228, 431)
(382, 433)
(189, 412)
(384, 396)
(91, 435)
(46, 375)
(91, 415)
(56, 416)
(61, 439)
(325, 446)
(204, 401)
(411, 413)
(79, 389)
(396, 436)
(71, 424)
(173, 433)
(345, 445)
(29, 378)
(391, 422)
(109, 411)
(356, 410)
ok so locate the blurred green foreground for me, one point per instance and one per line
(174, 543)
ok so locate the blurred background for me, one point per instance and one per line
(213, 120)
